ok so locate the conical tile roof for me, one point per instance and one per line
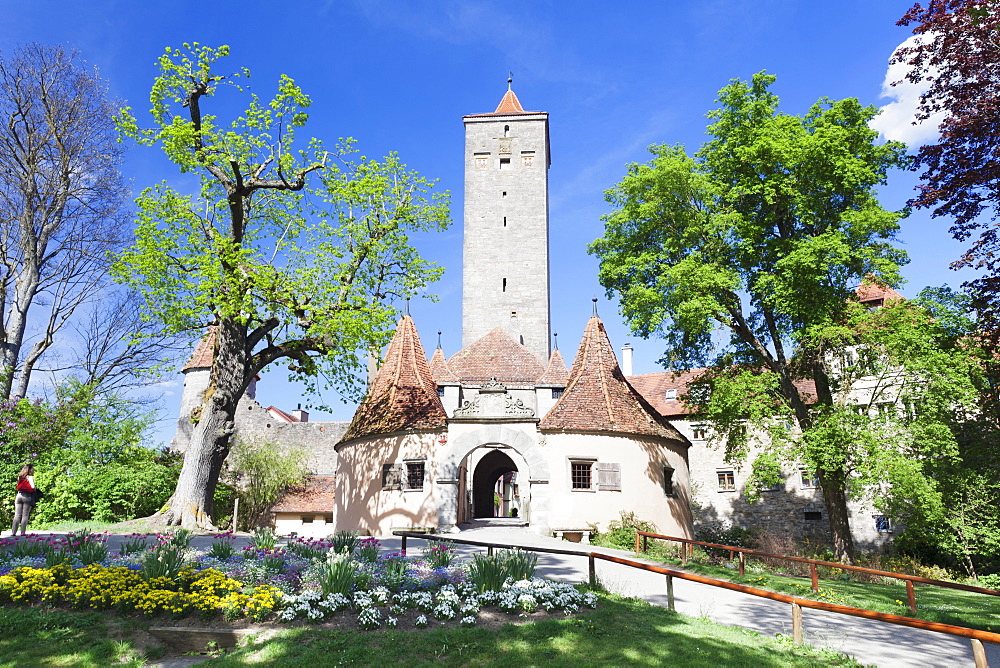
(556, 372)
(509, 104)
(403, 395)
(598, 398)
(496, 355)
(203, 353)
(440, 371)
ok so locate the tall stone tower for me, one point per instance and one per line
(505, 263)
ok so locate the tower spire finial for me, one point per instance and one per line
(595, 306)
(555, 340)
(510, 79)
(408, 305)
(439, 338)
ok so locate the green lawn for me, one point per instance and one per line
(935, 604)
(619, 632)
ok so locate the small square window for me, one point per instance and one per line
(727, 481)
(812, 516)
(557, 392)
(670, 395)
(392, 476)
(668, 481)
(776, 487)
(415, 475)
(809, 480)
(307, 519)
(699, 432)
(504, 163)
(440, 390)
(882, 524)
(581, 474)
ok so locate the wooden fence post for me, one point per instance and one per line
(670, 593)
(645, 544)
(684, 554)
(815, 576)
(911, 596)
(979, 653)
(489, 551)
(638, 542)
(593, 571)
(403, 548)
(796, 623)
(743, 560)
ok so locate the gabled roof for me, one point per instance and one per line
(316, 494)
(873, 293)
(654, 387)
(496, 355)
(440, 371)
(598, 398)
(203, 353)
(556, 372)
(403, 395)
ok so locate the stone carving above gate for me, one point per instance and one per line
(494, 401)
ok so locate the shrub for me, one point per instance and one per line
(621, 532)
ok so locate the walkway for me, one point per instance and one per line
(870, 642)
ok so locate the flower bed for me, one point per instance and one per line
(307, 580)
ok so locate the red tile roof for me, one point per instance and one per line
(556, 372)
(496, 355)
(876, 294)
(509, 106)
(403, 395)
(440, 371)
(203, 353)
(653, 387)
(598, 398)
(317, 494)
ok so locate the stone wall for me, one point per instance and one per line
(505, 266)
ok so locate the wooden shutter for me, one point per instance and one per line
(392, 476)
(609, 476)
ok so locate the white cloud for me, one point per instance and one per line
(897, 120)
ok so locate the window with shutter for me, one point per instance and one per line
(392, 476)
(609, 477)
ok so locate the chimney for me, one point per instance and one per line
(627, 359)
(300, 415)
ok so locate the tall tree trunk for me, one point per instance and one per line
(835, 498)
(192, 503)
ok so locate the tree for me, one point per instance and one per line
(62, 201)
(261, 473)
(958, 60)
(277, 269)
(762, 234)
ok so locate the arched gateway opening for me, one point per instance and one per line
(495, 476)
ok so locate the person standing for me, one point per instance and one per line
(24, 502)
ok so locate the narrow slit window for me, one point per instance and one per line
(505, 221)
(504, 286)
(506, 131)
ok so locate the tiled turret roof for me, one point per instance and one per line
(509, 106)
(496, 355)
(203, 353)
(873, 293)
(598, 398)
(403, 395)
(556, 372)
(440, 371)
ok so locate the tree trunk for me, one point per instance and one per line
(835, 498)
(192, 503)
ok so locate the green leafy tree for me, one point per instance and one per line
(278, 269)
(261, 473)
(744, 254)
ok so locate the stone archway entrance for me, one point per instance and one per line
(492, 477)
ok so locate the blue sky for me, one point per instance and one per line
(614, 78)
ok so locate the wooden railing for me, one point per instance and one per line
(975, 636)
(687, 547)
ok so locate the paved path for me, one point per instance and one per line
(869, 641)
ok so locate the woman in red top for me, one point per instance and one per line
(24, 503)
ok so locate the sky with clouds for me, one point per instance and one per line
(614, 77)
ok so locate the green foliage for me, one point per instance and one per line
(438, 554)
(163, 561)
(337, 574)
(344, 542)
(490, 572)
(263, 538)
(261, 473)
(621, 532)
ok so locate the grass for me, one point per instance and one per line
(934, 604)
(619, 632)
(38, 637)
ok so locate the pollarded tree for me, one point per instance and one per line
(63, 201)
(279, 269)
(762, 234)
(958, 60)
